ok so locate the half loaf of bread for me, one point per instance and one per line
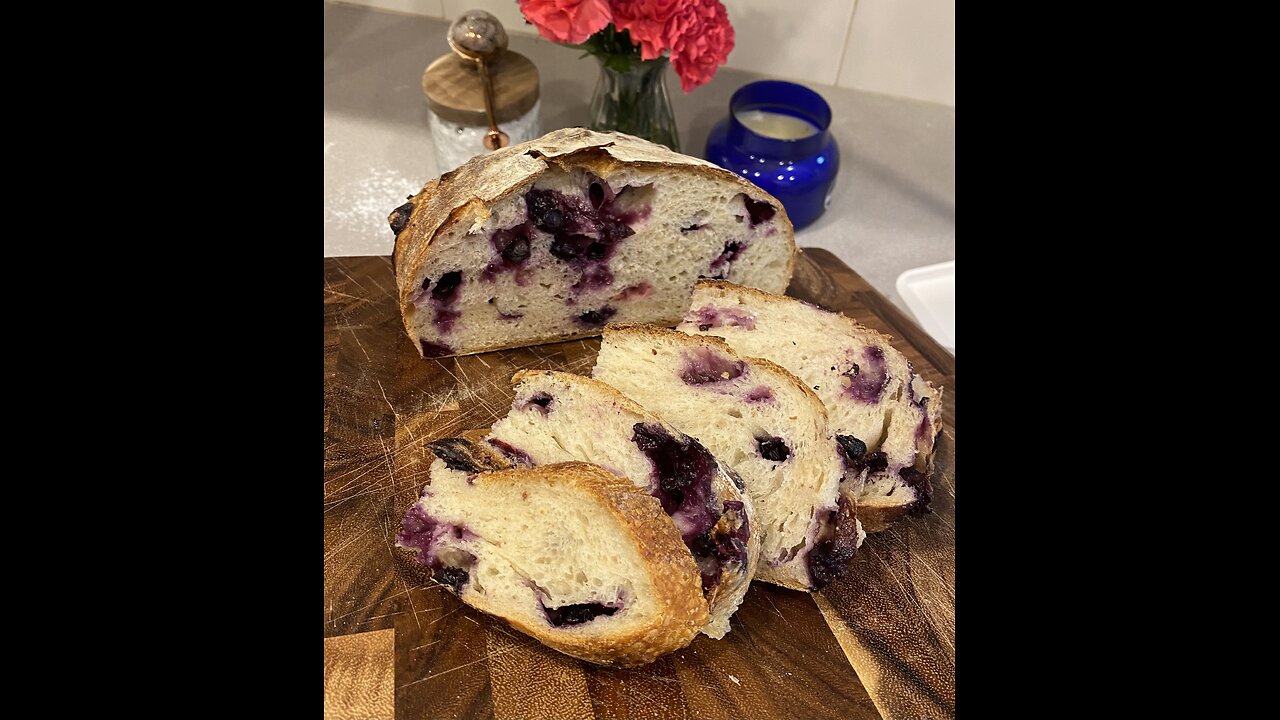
(550, 239)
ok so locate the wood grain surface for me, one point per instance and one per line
(880, 642)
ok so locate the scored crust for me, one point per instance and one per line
(468, 191)
(672, 571)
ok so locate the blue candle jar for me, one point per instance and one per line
(776, 136)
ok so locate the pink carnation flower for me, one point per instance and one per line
(700, 38)
(646, 20)
(567, 21)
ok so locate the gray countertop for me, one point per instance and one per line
(894, 205)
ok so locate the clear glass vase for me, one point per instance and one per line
(635, 102)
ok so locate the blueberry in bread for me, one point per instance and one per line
(762, 421)
(551, 239)
(885, 415)
(569, 554)
(557, 417)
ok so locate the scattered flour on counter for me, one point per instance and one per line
(362, 206)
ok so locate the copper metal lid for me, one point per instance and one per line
(455, 90)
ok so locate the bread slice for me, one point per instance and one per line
(886, 415)
(557, 417)
(550, 239)
(567, 553)
(762, 421)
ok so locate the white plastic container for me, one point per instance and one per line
(930, 294)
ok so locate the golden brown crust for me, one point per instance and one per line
(661, 334)
(672, 571)
(469, 190)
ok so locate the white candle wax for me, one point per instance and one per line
(776, 125)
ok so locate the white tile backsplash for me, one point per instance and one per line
(903, 47)
(797, 40)
(896, 47)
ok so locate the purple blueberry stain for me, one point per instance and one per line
(704, 365)
(614, 230)
(443, 296)
(417, 531)
(773, 448)
(596, 318)
(400, 217)
(852, 450)
(456, 454)
(421, 532)
(445, 290)
(593, 277)
(541, 400)
(544, 209)
(569, 247)
(836, 545)
(919, 482)
(578, 613)
(759, 211)
(599, 193)
(875, 462)
(453, 577)
(420, 295)
(924, 431)
(710, 316)
(732, 250)
(867, 382)
(585, 231)
(517, 455)
(511, 248)
(759, 394)
(433, 349)
(683, 470)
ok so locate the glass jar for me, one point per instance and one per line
(635, 101)
(454, 86)
(777, 136)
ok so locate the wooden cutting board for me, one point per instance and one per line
(879, 642)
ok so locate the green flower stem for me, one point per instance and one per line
(630, 96)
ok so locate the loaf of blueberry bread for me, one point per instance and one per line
(885, 415)
(550, 239)
(569, 554)
(763, 422)
(556, 417)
